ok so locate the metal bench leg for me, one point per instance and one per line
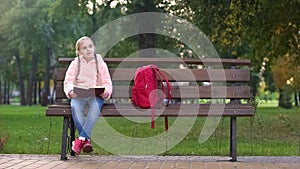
(72, 133)
(63, 154)
(233, 150)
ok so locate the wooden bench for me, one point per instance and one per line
(218, 87)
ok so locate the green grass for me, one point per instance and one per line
(272, 132)
(29, 130)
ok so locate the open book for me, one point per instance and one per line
(89, 92)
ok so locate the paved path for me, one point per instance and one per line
(29, 161)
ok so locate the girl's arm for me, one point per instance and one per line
(105, 80)
(69, 78)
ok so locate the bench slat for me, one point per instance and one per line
(184, 92)
(129, 110)
(200, 75)
(208, 61)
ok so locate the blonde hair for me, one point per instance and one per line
(79, 42)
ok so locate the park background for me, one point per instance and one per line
(34, 34)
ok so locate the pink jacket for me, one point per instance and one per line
(88, 76)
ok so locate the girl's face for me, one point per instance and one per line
(86, 49)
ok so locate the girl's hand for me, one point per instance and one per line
(72, 94)
(105, 95)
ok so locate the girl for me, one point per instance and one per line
(86, 70)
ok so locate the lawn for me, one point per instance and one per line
(272, 132)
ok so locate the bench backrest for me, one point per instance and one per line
(193, 80)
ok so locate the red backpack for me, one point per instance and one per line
(145, 92)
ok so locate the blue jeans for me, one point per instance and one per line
(84, 124)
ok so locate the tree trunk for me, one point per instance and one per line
(1, 94)
(5, 92)
(94, 20)
(31, 80)
(46, 91)
(280, 99)
(296, 97)
(20, 79)
(146, 40)
(8, 93)
(40, 92)
(285, 98)
(35, 93)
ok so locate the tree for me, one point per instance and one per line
(224, 22)
(10, 32)
(281, 74)
(5, 61)
(261, 30)
(25, 28)
(278, 39)
(34, 33)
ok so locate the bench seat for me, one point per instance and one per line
(111, 110)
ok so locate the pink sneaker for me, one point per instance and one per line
(87, 147)
(77, 145)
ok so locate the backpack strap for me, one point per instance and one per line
(97, 65)
(77, 71)
(161, 74)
